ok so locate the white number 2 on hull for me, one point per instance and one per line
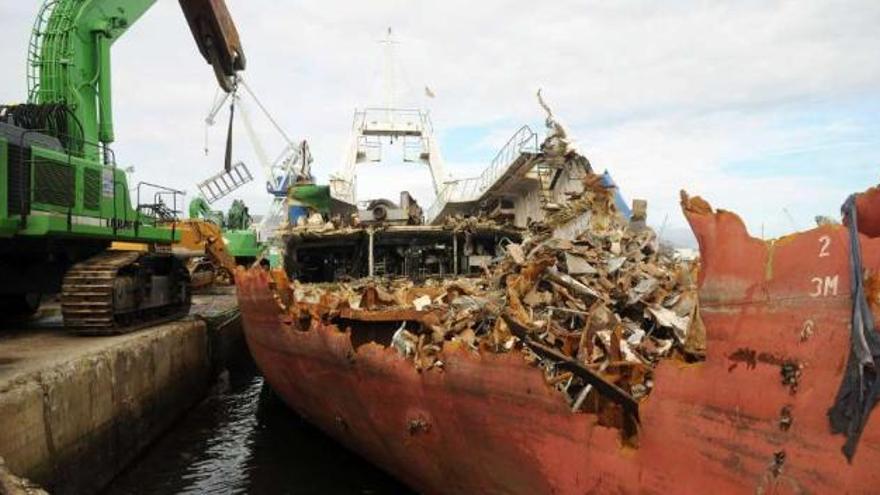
(824, 244)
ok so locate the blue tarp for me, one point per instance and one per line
(619, 202)
(860, 388)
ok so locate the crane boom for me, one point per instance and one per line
(216, 37)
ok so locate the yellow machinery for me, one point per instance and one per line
(201, 243)
(209, 260)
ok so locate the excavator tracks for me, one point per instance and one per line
(117, 292)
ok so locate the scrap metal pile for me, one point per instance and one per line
(593, 313)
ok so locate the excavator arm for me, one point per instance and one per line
(70, 65)
(216, 37)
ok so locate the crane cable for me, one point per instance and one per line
(255, 142)
(218, 104)
(265, 111)
(261, 154)
(227, 163)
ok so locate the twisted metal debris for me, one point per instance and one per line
(594, 313)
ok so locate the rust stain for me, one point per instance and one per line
(752, 357)
(785, 418)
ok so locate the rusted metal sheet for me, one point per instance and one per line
(777, 315)
(868, 207)
(484, 424)
(750, 418)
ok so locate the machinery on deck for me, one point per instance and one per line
(64, 200)
(205, 245)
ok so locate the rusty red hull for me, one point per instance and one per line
(488, 423)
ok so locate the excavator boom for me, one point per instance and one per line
(216, 37)
(69, 60)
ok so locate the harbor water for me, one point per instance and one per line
(242, 439)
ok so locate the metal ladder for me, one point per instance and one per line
(547, 176)
(222, 184)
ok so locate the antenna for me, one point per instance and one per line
(388, 69)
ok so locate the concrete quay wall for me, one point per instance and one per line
(74, 411)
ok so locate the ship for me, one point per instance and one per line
(751, 416)
(765, 386)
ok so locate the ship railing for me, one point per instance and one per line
(454, 191)
(524, 140)
(392, 121)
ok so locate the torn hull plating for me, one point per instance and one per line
(778, 313)
(751, 418)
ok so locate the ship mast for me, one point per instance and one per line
(411, 128)
(388, 72)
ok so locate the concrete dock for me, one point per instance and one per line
(76, 410)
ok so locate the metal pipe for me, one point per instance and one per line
(454, 253)
(105, 129)
(370, 263)
(579, 401)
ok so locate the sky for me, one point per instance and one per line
(768, 109)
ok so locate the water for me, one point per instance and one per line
(242, 439)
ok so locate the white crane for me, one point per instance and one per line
(292, 165)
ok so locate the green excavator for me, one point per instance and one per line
(238, 234)
(64, 200)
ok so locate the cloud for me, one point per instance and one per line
(744, 103)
